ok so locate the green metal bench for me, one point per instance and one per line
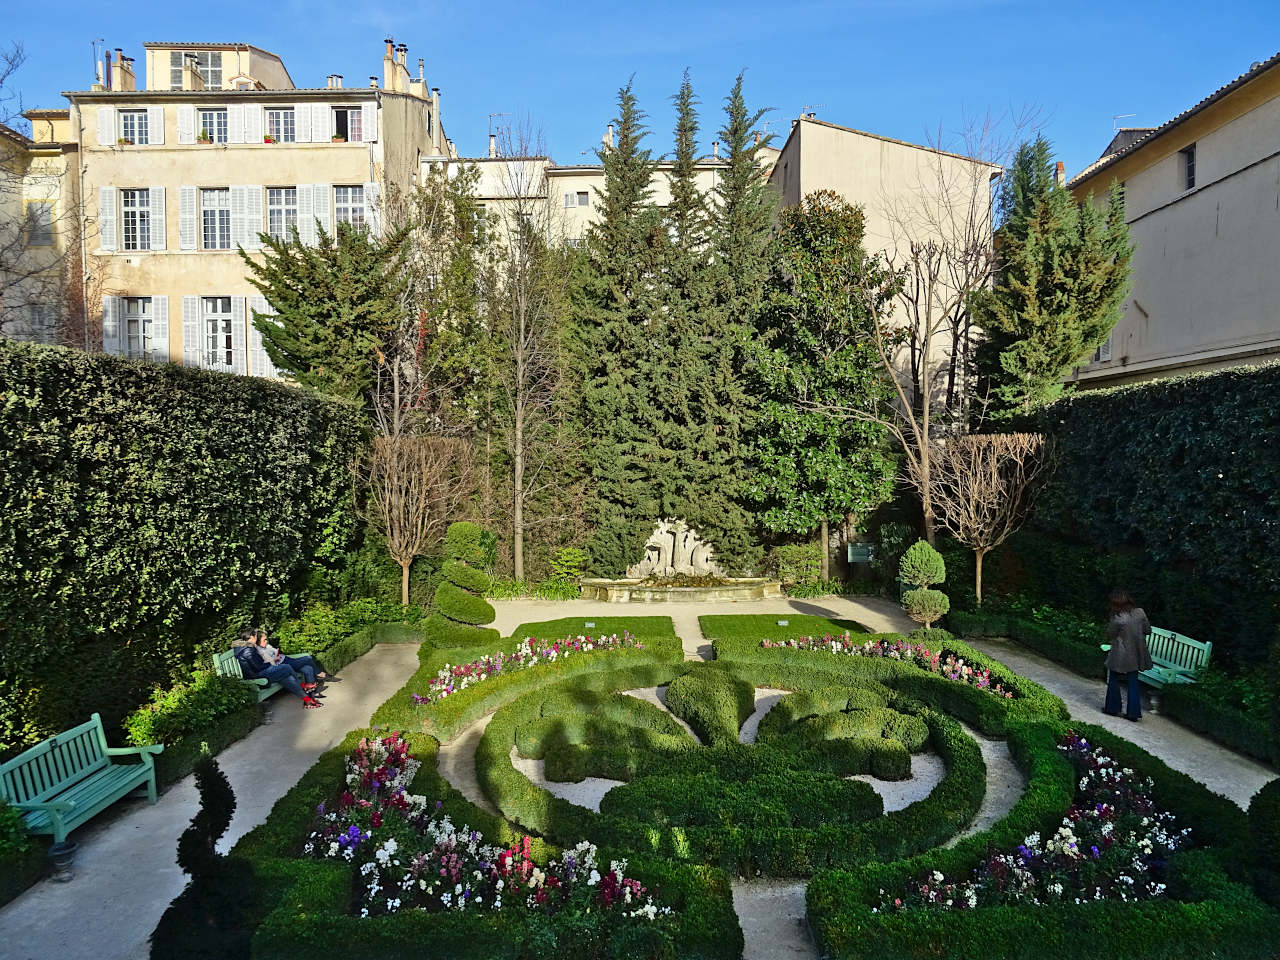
(68, 779)
(1175, 658)
(225, 664)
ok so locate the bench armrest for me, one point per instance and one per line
(60, 806)
(256, 681)
(150, 748)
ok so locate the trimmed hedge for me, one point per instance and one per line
(180, 756)
(139, 528)
(1195, 708)
(1085, 659)
(1264, 831)
(460, 606)
(1207, 913)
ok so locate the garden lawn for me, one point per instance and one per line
(764, 626)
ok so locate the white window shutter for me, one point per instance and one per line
(254, 121)
(237, 336)
(187, 234)
(192, 342)
(306, 216)
(159, 330)
(107, 218)
(107, 135)
(321, 123)
(235, 124)
(369, 121)
(156, 195)
(186, 123)
(252, 217)
(155, 125)
(260, 364)
(373, 207)
(320, 194)
(237, 216)
(111, 325)
(302, 122)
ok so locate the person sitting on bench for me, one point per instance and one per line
(304, 664)
(254, 667)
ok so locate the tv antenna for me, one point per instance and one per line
(492, 115)
(810, 107)
(1120, 116)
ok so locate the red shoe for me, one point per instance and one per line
(310, 703)
(308, 686)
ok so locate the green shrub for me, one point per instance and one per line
(460, 607)
(925, 606)
(506, 588)
(922, 566)
(1264, 830)
(187, 709)
(567, 563)
(1203, 708)
(14, 840)
(796, 562)
(139, 528)
(469, 543)
(557, 588)
(713, 701)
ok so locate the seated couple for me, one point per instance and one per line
(299, 674)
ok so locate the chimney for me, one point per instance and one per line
(493, 144)
(373, 82)
(192, 78)
(757, 138)
(122, 76)
(390, 48)
(337, 80)
(607, 140)
(402, 54)
(715, 149)
(1060, 174)
(435, 120)
(421, 65)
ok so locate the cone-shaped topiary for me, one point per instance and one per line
(210, 918)
(922, 566)
(460, 607)
(925, 606)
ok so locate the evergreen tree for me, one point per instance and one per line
(616, 307)
(337, 306)
(818, 466)
(1062, 275)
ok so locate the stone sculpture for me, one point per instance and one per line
(675, 547)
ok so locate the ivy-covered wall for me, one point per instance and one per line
(146, 511)
(1170, 489)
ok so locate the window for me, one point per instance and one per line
(208, 62)
(136, 209)
(348, 205)
(1103, 353)
(347, 123)
(137, 326)
(583, 198)
(133, 126)
(215, 219)
(282, 211)
(213, 125)
(216, 321)
(1188, 155)
(570, 200)
(40, 224)
(175, 69)
(280, 127)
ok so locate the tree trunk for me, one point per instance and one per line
(977, 573)
(517, 504)
(404, 583)
(825, 539)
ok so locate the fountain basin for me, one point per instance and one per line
(637, 591)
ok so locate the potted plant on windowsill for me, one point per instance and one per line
(125, 142)
(204, 137)
(338, 138)
(268, 138)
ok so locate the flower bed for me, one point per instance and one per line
(453, 678)
(410, 857)
(952, 667)
(1113, 844)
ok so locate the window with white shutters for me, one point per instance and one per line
(213, 125)
(216, 325)
(280, 125)
(348, 205)
(135, 219)
(133, 126)
(40, 223)
(137, 327)
(570, 200)
(215, 219)
(583, 198)
(347, 123)
(155, 196)
(107, 218)
(260, 364)
(282, 212)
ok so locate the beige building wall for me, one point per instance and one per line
(1206, 291)
(235, 60)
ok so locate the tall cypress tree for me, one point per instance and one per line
(616, 307)
(1062, 275)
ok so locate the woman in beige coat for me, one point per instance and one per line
(1128, 630)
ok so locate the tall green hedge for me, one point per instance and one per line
(147, 509)
(1171, 489)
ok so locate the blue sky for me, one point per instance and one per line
(907, 70)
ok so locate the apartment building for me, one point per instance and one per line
(40, 296)
(1202, 200)
(218, 148)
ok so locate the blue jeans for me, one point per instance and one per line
(284, 675)
(1114, 681)
(305, 666)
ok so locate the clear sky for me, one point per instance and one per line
(907, 69)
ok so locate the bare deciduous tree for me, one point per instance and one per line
(984, 486)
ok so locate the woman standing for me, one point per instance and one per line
(1128, 630)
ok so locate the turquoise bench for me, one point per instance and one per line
(225, 664)
(1175, 658)
(70, 778)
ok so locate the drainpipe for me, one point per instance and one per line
(84, 254)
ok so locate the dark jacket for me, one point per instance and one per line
(251, 665)
(1128, 632)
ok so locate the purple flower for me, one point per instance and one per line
(1094, 850)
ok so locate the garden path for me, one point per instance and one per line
(1234, 776)
(125, 869)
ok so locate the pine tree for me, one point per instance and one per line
(616, 307)
(817, 466)
(1062, 275)
(337, 306)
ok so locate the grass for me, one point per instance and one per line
(757, 627)
(643, 629)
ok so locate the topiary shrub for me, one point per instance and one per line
(211, 917)
(922, 566)
(925, 606)
(460, 607)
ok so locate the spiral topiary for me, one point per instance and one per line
(460, 608)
